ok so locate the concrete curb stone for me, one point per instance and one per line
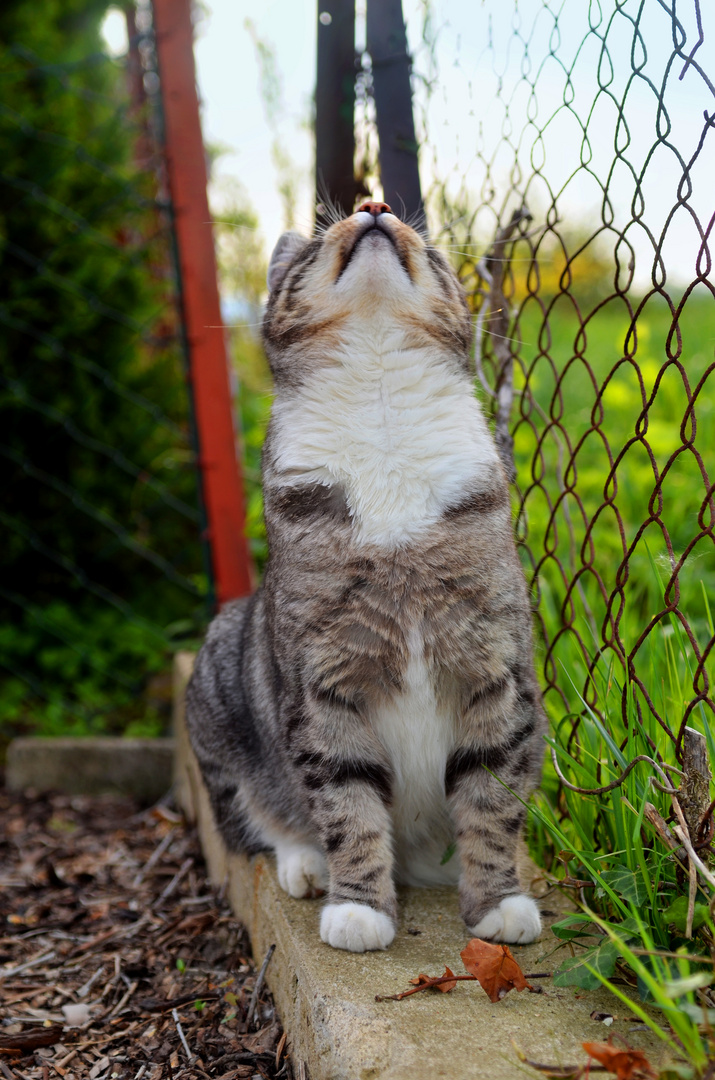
(141, 768)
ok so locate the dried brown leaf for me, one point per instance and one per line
(436, 982)
(495, 968)
(627, 1064)
(450, 984)
(263, 1041)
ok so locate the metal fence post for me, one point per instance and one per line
(187, 177)
(391, 64)
(335, 110)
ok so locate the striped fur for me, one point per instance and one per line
(371, 701)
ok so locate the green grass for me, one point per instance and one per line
(638, 897)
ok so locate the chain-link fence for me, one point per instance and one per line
(581, 223)
(102, 570)
(583, 226)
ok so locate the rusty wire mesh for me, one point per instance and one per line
(583, 230)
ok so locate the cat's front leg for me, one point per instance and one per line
(488, 823)
(489, 819)
(349, 800)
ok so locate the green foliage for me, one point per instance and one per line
(594, 522)
(255, 397)
(583, 969)
(627, 884)
(449, 852)
(638, 896)
(89, 671)
(671, 983)
(676, 914)
(99, 503)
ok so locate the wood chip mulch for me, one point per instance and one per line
(118, 961)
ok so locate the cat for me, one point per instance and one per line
(375, 701)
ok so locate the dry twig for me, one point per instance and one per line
(255, 996)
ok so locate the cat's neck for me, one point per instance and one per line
(396, 427)
(380, 344)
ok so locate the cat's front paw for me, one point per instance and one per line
(356, 927)
(515, 921)
(302, 870)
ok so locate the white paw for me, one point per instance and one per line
(356, 927)
(302, 870)
(516, 921)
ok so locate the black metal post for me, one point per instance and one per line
(387, 45)
(335, 108)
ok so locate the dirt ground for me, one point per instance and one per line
(118, 961)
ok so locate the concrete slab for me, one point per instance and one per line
(326, 997)
(141, 768)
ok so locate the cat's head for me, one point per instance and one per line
(367, 274)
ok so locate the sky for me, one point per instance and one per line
(480, 52)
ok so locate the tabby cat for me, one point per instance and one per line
(375, 700)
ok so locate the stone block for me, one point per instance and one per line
(140, 768)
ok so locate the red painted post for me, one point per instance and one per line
(187, 177)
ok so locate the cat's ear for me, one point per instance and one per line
(284, 252)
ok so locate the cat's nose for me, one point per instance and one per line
(375, 208)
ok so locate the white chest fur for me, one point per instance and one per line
(418, 736)
(399, 430)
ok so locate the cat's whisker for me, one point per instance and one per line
(491, 314)
(232, 224)
(496, 259)
(326, 209)
(448, 226)
(502, 337)
(234, 326)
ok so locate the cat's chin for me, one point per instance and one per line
(356, 927)
(516, 921)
